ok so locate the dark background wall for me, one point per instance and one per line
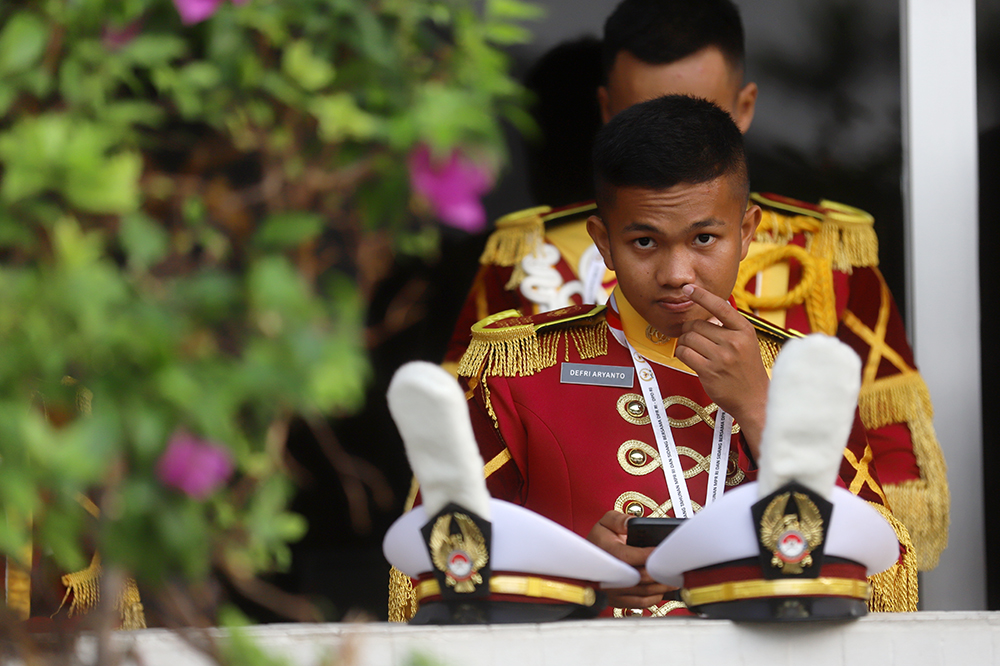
(988, 69)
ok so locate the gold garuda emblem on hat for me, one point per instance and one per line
(791, 537)
(461, 556)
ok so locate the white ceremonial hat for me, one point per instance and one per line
(792, 546)
(478, 559)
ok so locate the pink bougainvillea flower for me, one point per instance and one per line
(452, 187)
(194, 466)
(195, 11)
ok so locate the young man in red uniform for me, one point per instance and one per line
(811, 268)
(653, 404)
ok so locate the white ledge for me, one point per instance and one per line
(909, 639)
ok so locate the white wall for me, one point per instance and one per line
(941, 185)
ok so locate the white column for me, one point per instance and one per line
(940, 193)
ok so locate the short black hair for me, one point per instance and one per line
(667, 141)
(660, 32)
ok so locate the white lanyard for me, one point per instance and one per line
(669, 459)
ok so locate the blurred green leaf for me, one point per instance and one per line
(145, 242)
(152, 50)
(340, 118)
(305, 68)
(288, 229)
(513, 10)
(109, 185)
(22, 42)
(507, 33)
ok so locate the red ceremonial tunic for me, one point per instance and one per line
(572, 452)
(860, 311)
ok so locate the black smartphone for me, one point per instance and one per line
(644, 532)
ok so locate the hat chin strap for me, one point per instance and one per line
(534, 587)
(785, 587)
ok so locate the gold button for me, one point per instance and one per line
(637, 458)
(634, 509)
(636, 408)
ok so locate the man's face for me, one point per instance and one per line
(657, 241)
(704, 74)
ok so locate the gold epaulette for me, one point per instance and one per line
(509, 344)
(841, 234)
(518, 234)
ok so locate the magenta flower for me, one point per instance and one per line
(194, 466)
(195, 11)
(453, 187)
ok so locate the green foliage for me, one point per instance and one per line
(179, 210)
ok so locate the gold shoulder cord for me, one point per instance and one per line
(841, 238)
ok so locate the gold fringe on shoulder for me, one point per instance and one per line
(921, 504)
(588, 341)
(516, 235)
(521, 349)
(855, 243)
(778, 229)
(895, 590)
(895, 399)
(85, 586)
(511, 351)
(844, 235)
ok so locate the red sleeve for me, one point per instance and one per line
(505, 478)
(858, 471)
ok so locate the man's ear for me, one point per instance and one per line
(749, 228)
(604, 103)
(599, 233)
(746, 104)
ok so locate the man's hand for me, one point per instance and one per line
(609, 533)
(727, 360)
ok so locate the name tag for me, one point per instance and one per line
(597, 375)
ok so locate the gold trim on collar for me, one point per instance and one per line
(753, 589)
(524, 586)
(647, 340)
